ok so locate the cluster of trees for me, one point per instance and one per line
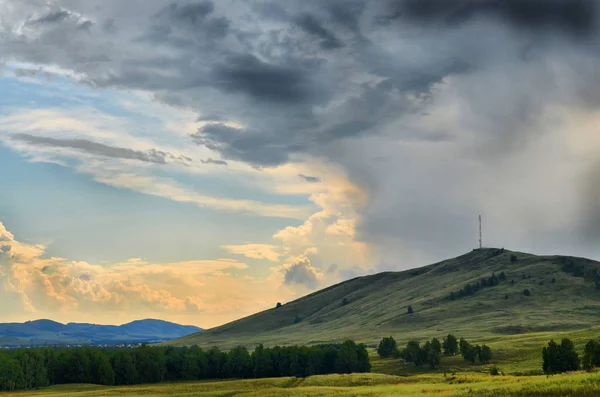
(563, 358)
(560, 358)
(471, 289)
(431, 352)
(474, 353)
(34, 368)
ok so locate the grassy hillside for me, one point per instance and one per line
(368, 308)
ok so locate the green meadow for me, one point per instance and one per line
(518, 357)
(580, 384)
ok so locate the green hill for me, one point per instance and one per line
(563, 297)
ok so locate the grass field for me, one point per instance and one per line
(352, 385)
(517, 356)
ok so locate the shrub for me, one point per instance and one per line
(513, 259)
(410, 310)
(526, 292)
(494, 371)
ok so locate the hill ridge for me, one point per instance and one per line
(367, 307)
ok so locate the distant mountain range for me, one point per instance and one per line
(51, 332)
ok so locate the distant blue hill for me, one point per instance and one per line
(52, 332)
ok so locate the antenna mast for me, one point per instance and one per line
(480, 241)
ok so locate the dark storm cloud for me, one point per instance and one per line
(99, 149)
(312, 26)
(215, 162)
(193, 18)
(22, 72)
(193, 28)
(212, 118)
(573, 16)
(296, 91)
(348, 13)
(263, 81)
(239, 144)
(192, 13)
(268, 144)
(53, 17)
(271, 10)
(308, 178)
(86, 25)
(109, 26)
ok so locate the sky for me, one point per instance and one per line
(200, 161)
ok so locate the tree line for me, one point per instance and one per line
(430, 353)
(34, 368)
(472, 289)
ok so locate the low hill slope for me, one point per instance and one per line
(563, 296)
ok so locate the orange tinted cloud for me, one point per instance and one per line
(200, 292)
